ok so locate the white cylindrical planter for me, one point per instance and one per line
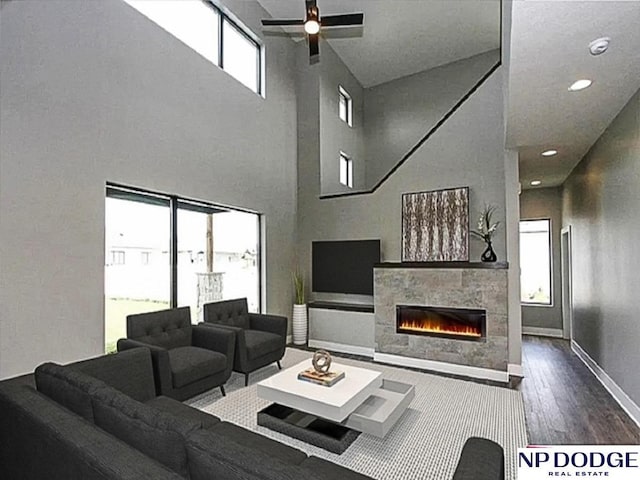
(299, 324)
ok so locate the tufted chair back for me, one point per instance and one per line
(228, 312)
(165, 328)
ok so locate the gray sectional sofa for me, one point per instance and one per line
(101, 419)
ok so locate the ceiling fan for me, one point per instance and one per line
(313, 23)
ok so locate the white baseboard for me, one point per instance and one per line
(515, 370)
(340, 347)
(612, 387)
(451, 368)
(543, 332)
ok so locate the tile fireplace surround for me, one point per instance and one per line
(457, 285)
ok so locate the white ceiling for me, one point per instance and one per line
(402, 37)
(549, 51)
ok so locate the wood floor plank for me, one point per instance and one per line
(564, 403)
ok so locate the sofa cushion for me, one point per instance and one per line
(158, 434)
(169, 328)
(215, 456)
(261, 343)
(259, 443)
(228, 312)
(189, 364)
(330, 470)
(179, 409)
(67, 387)
(130, 371)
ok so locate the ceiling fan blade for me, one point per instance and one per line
(343, 32)
(342, 20)
(281, 22)
(314, 48)
(281, 32)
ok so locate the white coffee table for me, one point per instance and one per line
(333, 403)
(332, 417)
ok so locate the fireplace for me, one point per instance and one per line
(454, 323)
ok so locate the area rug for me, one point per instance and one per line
(426, 442)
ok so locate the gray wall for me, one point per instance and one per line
(512, 206)
(466, 151)
(335, 134)
(536, 204)
(512, 213)
(601, 203)
(95, 92)
(399, 113)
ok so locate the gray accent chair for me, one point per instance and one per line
(187, 359)
(260, 339)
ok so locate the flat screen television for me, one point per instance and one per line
(344, 266)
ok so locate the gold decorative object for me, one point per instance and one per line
(321, 361)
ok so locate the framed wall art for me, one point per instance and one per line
(435, 226)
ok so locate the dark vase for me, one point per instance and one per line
(488, 255)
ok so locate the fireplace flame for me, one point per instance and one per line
(432, 326)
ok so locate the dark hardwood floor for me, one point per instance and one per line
(564, 403)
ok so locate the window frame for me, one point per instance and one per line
(174, 202)
(224, 15)
(550, 249)
(342, 93)
(349, 169)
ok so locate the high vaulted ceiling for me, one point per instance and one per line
(549, 51)
(402, 37)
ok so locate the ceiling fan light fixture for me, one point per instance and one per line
(312, 26)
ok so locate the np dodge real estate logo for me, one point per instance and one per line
(613, 462)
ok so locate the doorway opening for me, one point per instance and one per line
(567, 292)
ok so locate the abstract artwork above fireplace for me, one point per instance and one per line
(435, 226)
(455, 323)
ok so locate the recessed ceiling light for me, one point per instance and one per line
(580, 85)
(535, 183)
(549, 153)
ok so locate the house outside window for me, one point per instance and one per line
(346, 170)
(535, 262)
(345, 106)
(117, 257)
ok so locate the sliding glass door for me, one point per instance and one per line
(217, 256)
(137, 268)
(164, 251)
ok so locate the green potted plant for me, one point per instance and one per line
(485, 230)
(299, 323)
